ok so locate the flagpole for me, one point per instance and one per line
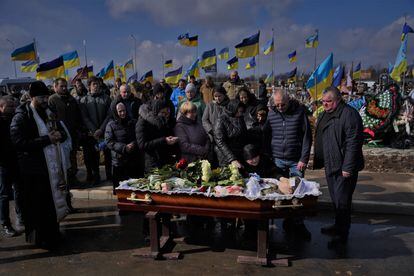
(162, 64)
(35, 47)
(14, 62)
(273, 57)
(314, 68)
(135, 53)
(86, 57)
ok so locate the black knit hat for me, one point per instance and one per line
(250, 151)
(38, 88)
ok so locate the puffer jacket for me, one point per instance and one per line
(211, 114)
(193, 140)
(290, 133)
(95, 109)
(230, 135)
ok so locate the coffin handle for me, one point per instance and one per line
(147, 198)
(295, 204)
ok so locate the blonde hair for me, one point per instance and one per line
(187, 107)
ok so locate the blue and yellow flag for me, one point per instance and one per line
(83, 73)
(390, 67)
(406, 29)
(193, 70)
(193, 41)
(321, 78)
(173, 77)
(357, 72)
(120, 72)
(208, 58)
(71, 60)
(107, 72)
(251, 64)
(147, 77)
(184, 39)
(25, 53)
(51, 69)
(292, 57)
(338, 75)
(29, 66)
(129, 64)
(233, 63)
(292, 74)
(168, 63)
(400, 65)
(224, 53)
(312, 41)
(249, 47)
(269, 78)
(269, 47)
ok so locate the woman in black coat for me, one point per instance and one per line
(127, 159)
(250, 104)
(230, 135)
(192, 138)
(154, 132)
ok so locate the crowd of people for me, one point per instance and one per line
(137, 128)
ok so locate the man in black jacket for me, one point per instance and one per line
(131, 102)
(338, 148)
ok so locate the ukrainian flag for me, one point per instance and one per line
(338, 76)
(51, 69)
(208, 58)
(251, 64)
(292, 57)
(292, 74)
(148, 76)
(233, 63)
(71, 60)
(406, 29)
(107, 72)
(321, 78)
(184, 39)
(173, 77)
(85, 72)
(357, 72)
(193, 41)
(224, 53)
(312, 41)
(193, 70)
(25, 53)
(249, 47)
(29, 66)
(400, 65)
(269, 78)
(129, 64)
(269, 47)
(168, 63)
(121, 72)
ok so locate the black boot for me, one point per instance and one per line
(330, 230)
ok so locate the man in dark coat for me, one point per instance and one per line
(44, 189)
(9, 175)
(154, 132)
(131, 102)
(338, 148)
(127, 159)
(95, 108)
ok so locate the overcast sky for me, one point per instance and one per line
(367, 31)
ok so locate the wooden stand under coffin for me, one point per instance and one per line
(159, 208)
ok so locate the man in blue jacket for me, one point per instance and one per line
(338, 148)
(290, 143)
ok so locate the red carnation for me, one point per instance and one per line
(182, 164)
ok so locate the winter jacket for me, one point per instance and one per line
(29, 145)
(131, 103)
(207, 93)
(342, 141)
(290, 133)
(95, 109)
(67, 110)
(198, 102)
(151, 132)
(262, 92)
(230, 136)
(193, 140)
(118, 134)
(211, 114)
(177, 95)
